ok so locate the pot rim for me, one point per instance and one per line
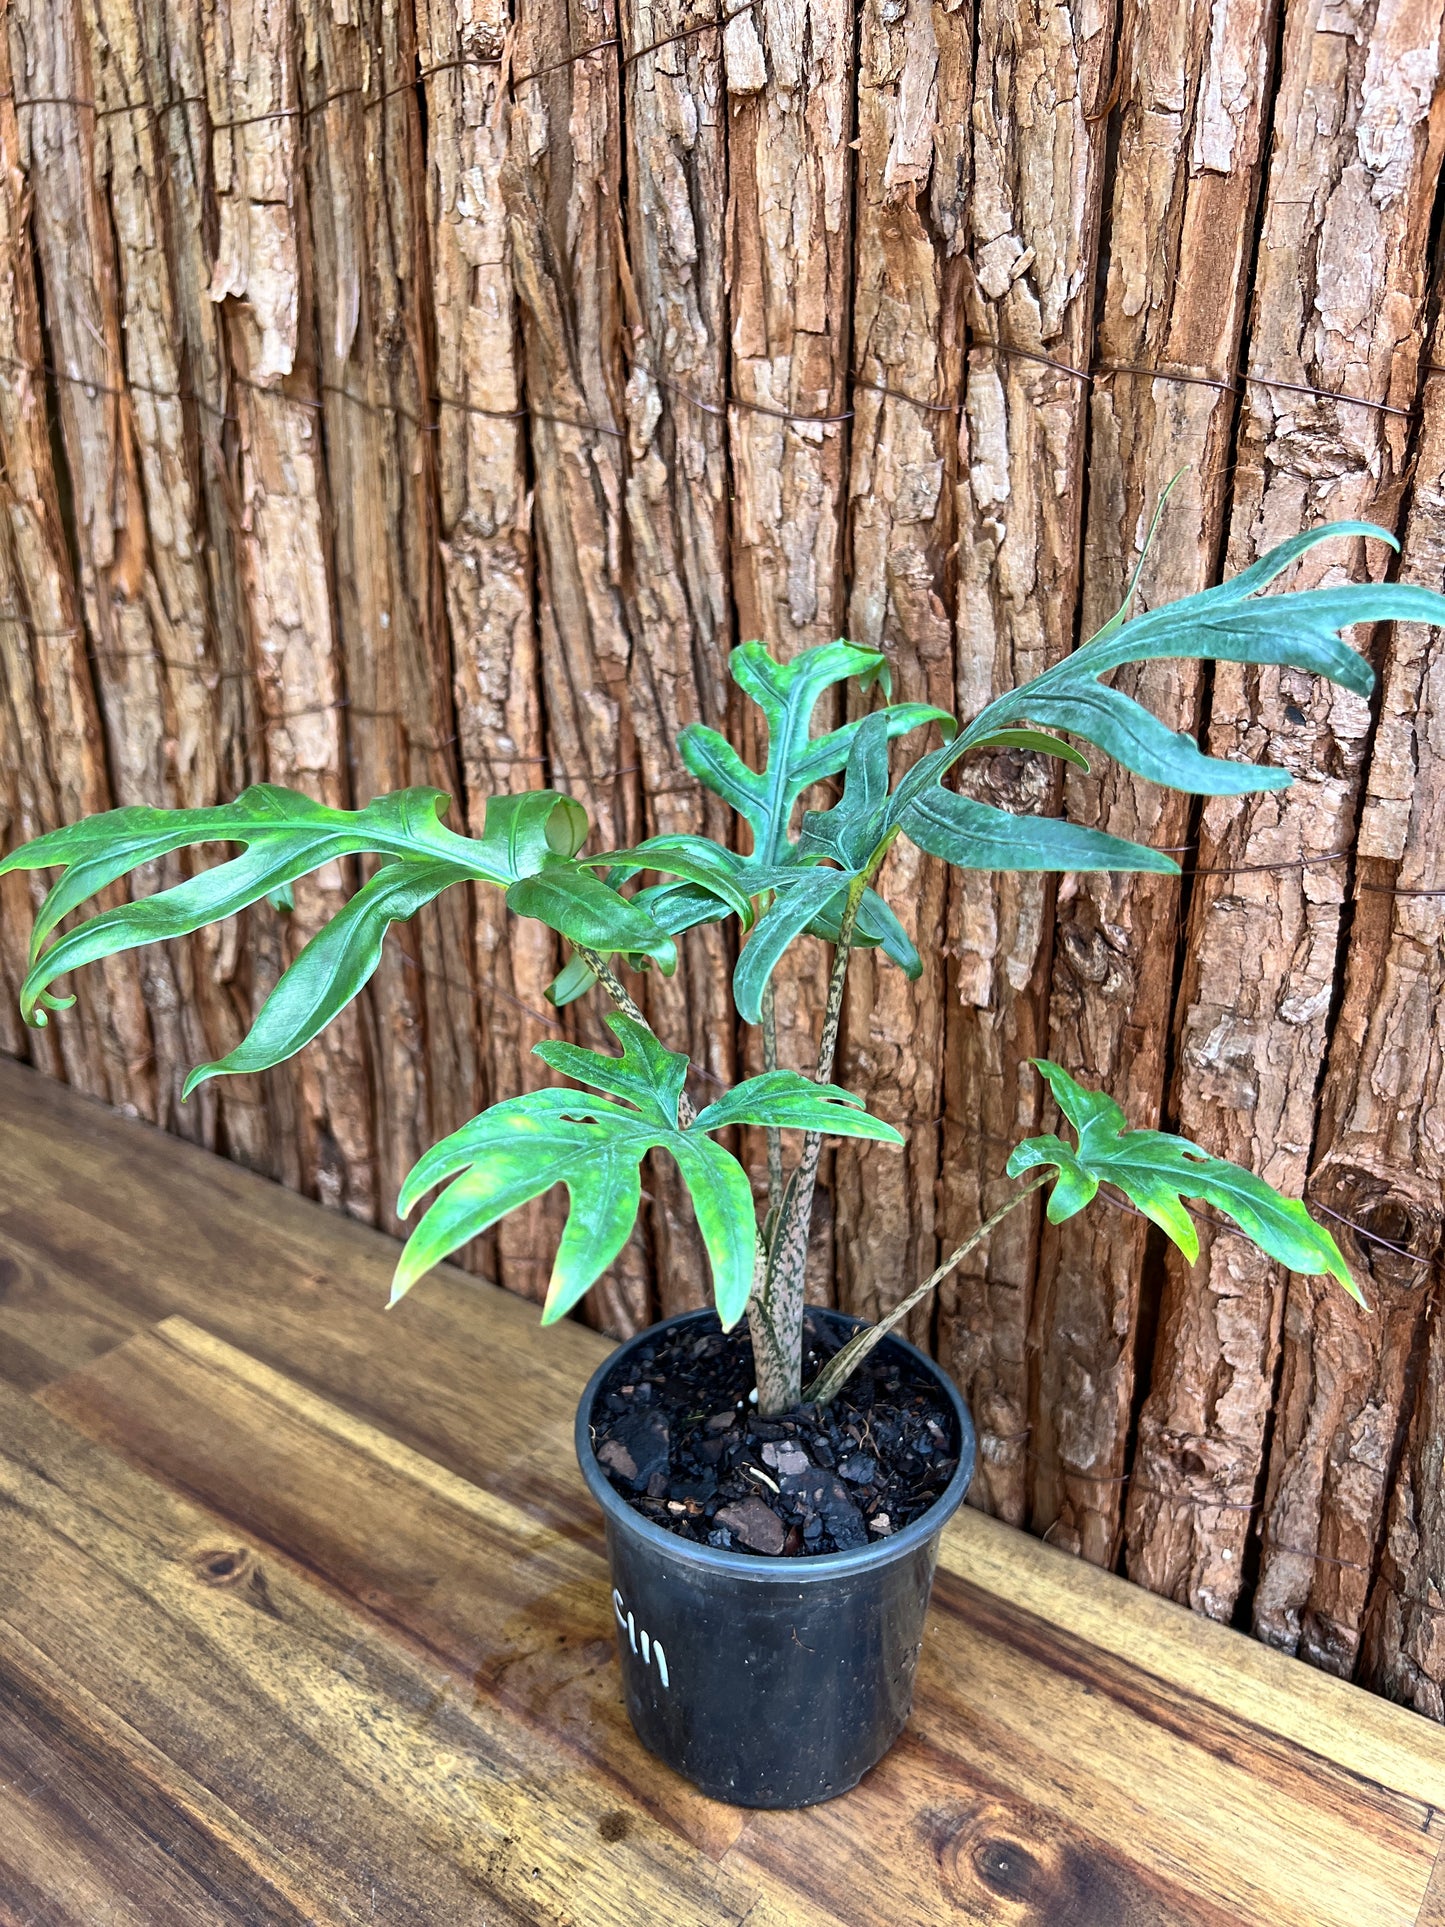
(762, 1567)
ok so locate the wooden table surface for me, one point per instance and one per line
(304, 1617)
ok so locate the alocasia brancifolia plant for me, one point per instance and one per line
(803, 875)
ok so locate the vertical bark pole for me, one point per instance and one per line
(366, 184)
(1338, 305)
(484, 529)
(52, 751)
(147, 67)
(1403, 1647)
(676, 495)
(789, 75)
(915, 77)
(1039, 121)
(562, 183)
(1380, 1153)
(790, 216)
(101, 230)
(1181, 225)
(261, 277)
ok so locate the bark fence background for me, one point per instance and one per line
(432, 391)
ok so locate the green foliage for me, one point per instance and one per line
(1232, 623)
(594, 1145)
(787, 694)
(527, 848)
(1156, 1171)
(797, 878)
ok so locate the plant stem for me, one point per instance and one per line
(841, 1367)
(779, 1359)
(770, 1063)
(618, 992)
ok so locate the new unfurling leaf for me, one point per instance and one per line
(595, 1145)
(1157, 1171)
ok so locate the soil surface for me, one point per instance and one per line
(675, 1433)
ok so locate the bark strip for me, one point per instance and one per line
(51, 750)
(261, 278)
(676, 493)
(1040, 99)
(1380, 1158)
(1338, 305)
(366, 181)
(915, 78)
(1181, 222)
(562, 187)
(484, 535)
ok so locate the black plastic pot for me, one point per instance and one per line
(769, 1682)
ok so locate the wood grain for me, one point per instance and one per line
(323, 1654)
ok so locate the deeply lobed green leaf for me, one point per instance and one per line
(1157, 1171)
(519, 1149)
(527, 847)
(1232, 622)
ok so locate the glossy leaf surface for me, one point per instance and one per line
(527, 848)
(595, 1145)
(1157, 1171)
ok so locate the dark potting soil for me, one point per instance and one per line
(675, 1433)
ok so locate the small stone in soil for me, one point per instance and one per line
(879, 1523)
(757, 1526)
(821, 1495)
(859, 1469)
(638, 1447)
(786, 1457)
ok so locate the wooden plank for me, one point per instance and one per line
(1003, 1802)
(1339, 304)
(368, 1781)
(1193, 94)
(516, 1610)
(120, 1226)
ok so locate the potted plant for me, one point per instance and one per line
(773, 1481)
